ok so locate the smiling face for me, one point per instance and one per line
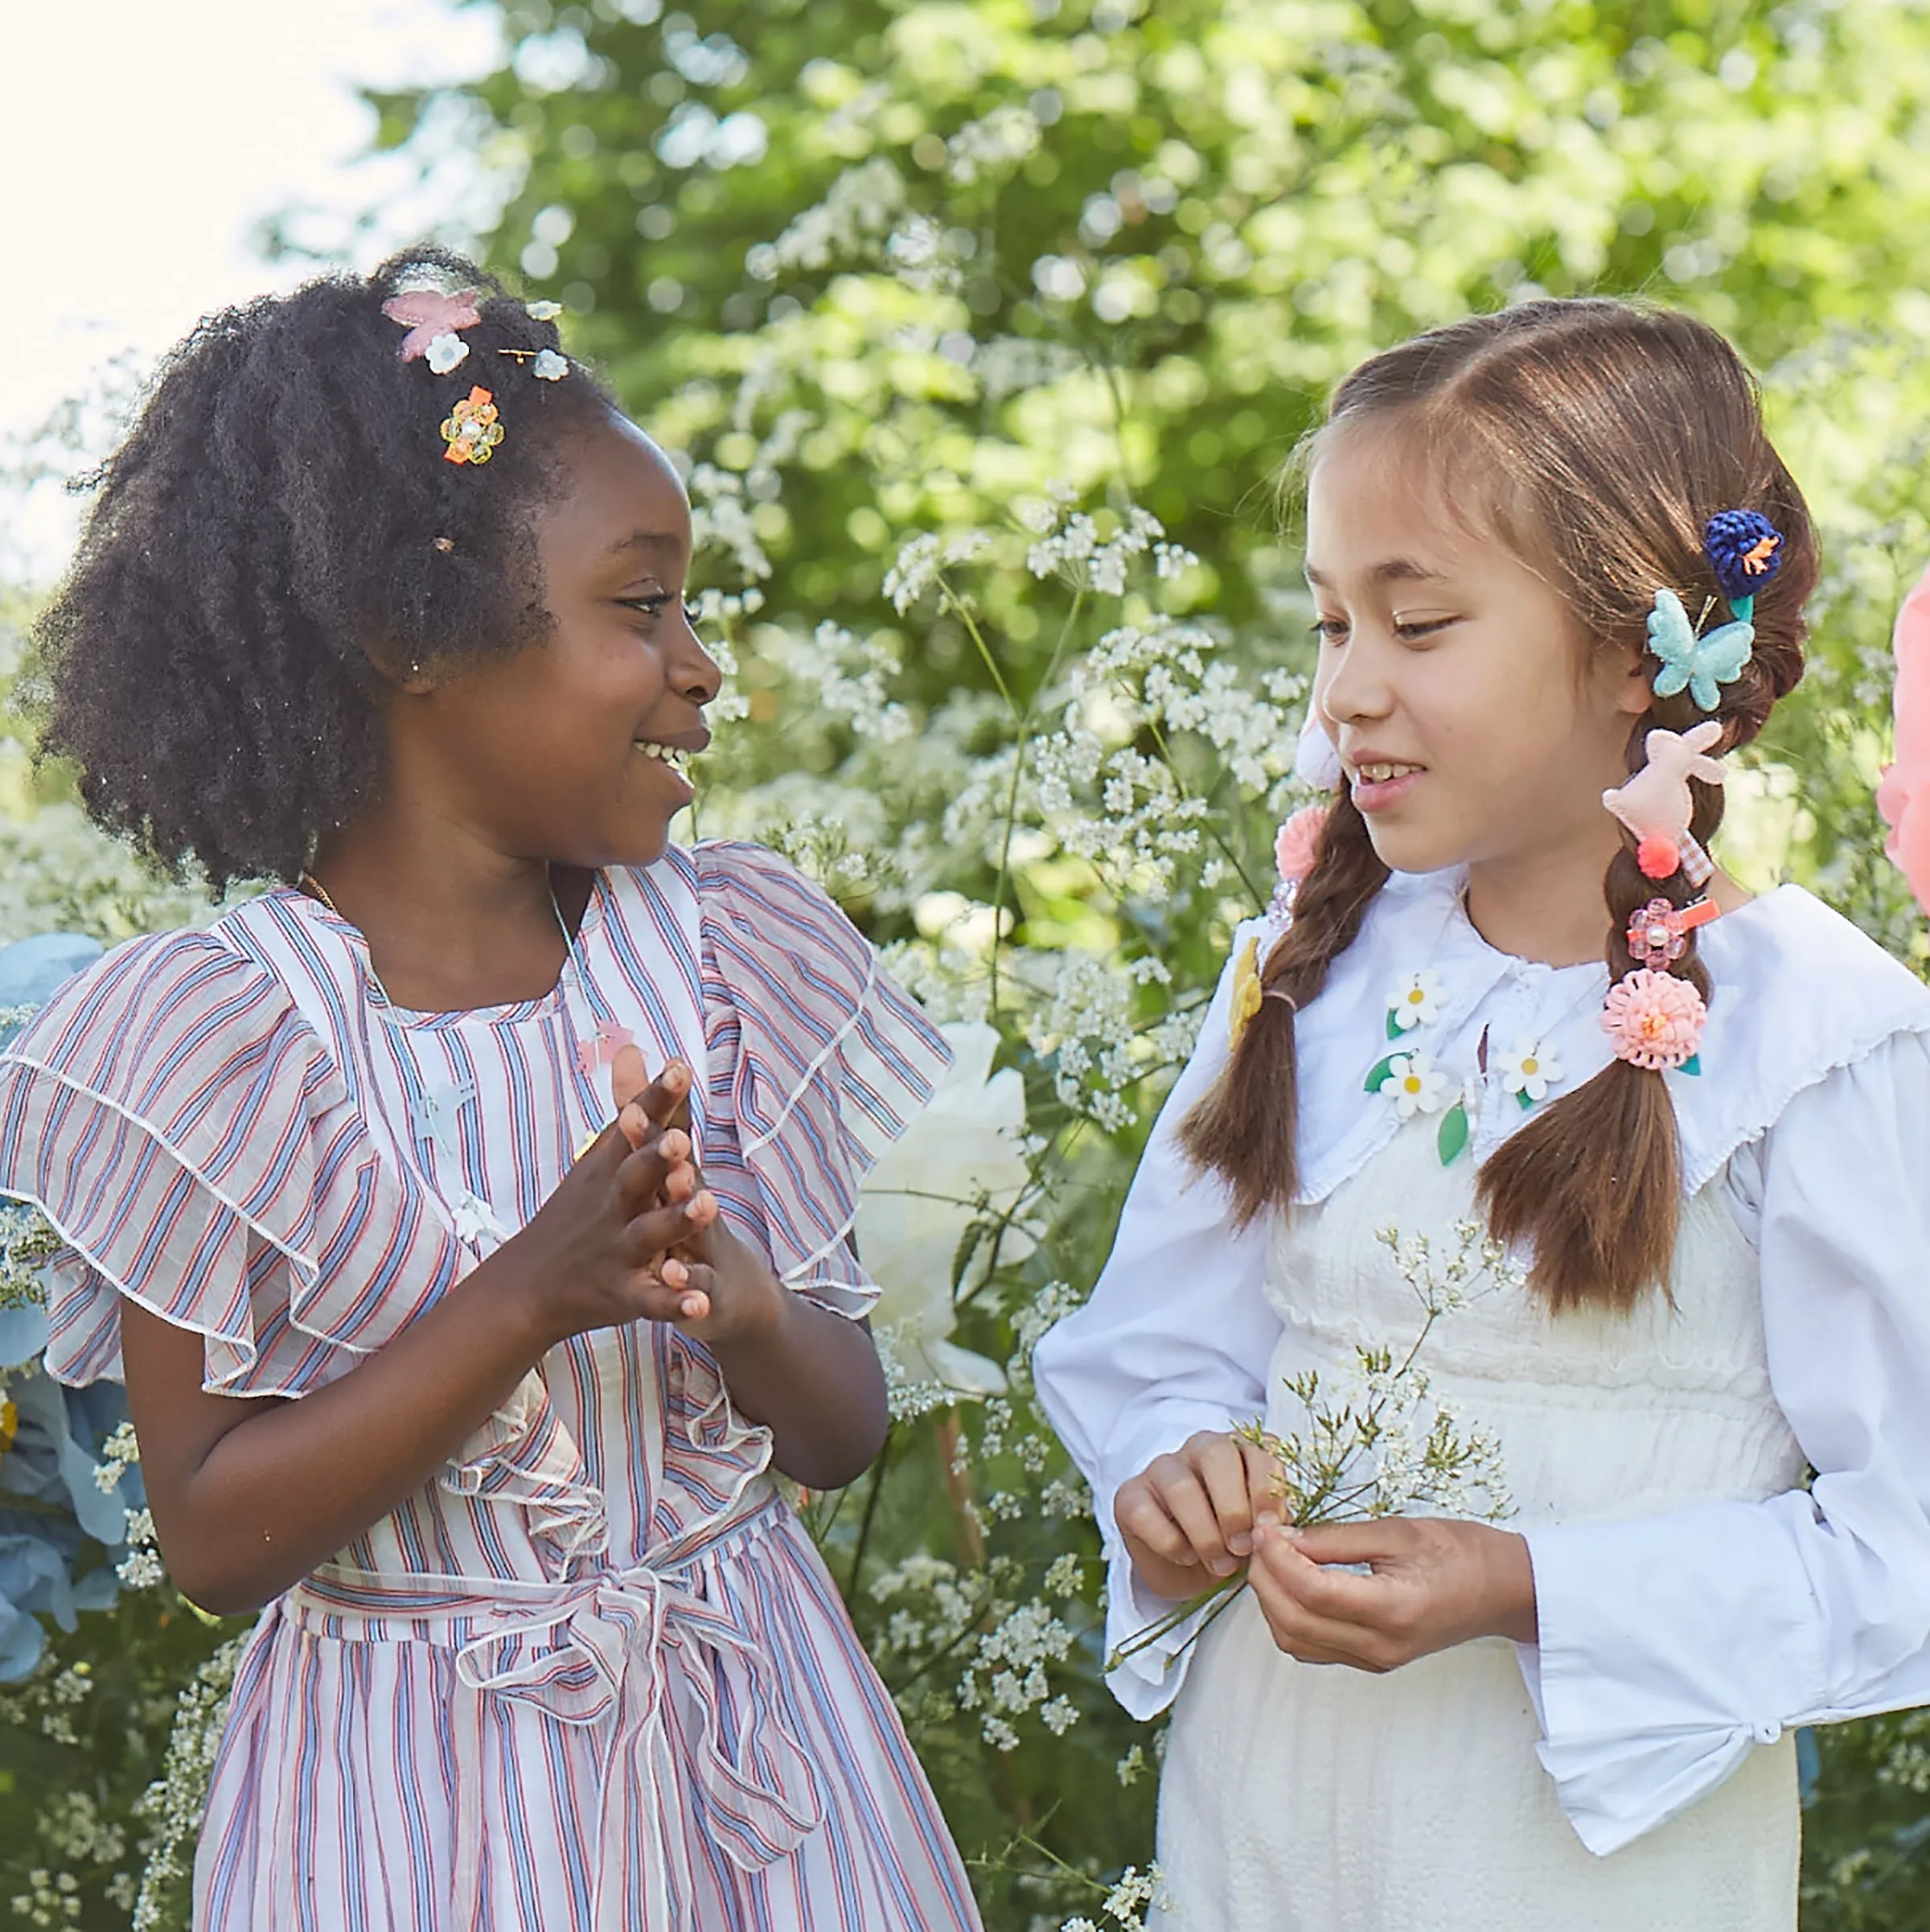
(1475, 723)
(570, 751)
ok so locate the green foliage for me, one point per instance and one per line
(920, 286)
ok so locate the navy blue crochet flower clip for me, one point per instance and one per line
(1745, 550)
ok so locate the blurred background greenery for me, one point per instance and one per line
(955, 274)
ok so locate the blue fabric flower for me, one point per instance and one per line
(1745, 550)
(53, 1514)
(50, 1465)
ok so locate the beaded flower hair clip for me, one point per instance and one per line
(473, 429)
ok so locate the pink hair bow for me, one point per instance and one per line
(1903, 797)
(426, 315)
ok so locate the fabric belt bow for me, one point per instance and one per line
(629, 1647)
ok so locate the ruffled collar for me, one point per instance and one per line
(1798, 991)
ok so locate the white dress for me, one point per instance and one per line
(1695, 1598)
(1311, 1796)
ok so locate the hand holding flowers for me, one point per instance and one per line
(1194, 1514)
(1435, 1582)
(1291, 1506)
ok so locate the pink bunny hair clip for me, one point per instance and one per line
(1903, 798)
(1657, 805)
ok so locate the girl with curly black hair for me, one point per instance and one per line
(478, 1390)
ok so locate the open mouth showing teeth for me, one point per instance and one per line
(1381, 774)
(679, 762)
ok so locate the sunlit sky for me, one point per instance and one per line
(142, 142)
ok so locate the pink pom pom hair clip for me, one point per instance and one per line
(1903, 798)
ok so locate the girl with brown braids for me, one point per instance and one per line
(1559, 572)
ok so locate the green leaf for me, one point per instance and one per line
(1377, 1073)
(1692, 1065)
(1393, 1022)
(1452, 1138)
(1526, 1101)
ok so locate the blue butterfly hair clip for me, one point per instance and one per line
(1744, 550)
(1699, 664)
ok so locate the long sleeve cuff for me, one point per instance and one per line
(1149, 1680)
(1668, 1648)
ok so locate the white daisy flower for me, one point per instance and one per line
(1417, 999)
(446, 351)
(1415, 1084)
(543, 311)
(1531, 1069)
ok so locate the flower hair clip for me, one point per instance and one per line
(1657, 805)
(546, 365)
(1745, 551)
(471, 430)
(1655, 1020)
(1658, 934)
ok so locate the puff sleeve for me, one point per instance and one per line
(817, 1061)
(183, 1129)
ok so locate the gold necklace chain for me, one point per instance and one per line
(313, 885)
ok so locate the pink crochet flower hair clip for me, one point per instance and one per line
(1654, 1021)
(1297, 844)
(1903, 798)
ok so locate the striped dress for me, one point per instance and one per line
(594, 1675)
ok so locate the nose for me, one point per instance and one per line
(1351, 686)
(693, 672)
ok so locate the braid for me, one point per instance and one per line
(1246, 1128)
(1604, 1229)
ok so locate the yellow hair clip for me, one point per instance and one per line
(471, 428)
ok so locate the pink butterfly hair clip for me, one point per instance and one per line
(429, 316)
(1903, 798)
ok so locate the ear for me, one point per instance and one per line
(1634, 683)
(406, 676)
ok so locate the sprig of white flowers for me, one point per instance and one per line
(1379, 1442)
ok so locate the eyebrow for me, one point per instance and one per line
(658, 542)
(1390, 570)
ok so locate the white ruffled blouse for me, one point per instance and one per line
(1669, 1644)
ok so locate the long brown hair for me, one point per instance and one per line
(1597, 438)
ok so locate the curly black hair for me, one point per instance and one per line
(277, 543)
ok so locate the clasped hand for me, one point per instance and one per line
(632, 1234)
(1192, 1518)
